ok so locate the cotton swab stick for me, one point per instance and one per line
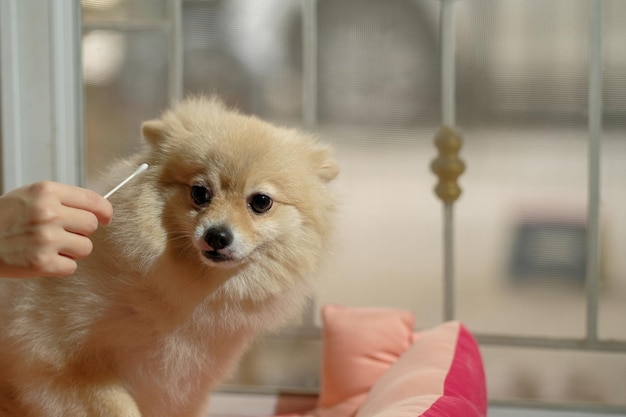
(138, 171)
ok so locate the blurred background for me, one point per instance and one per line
(522, 86)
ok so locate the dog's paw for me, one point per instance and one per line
(74, 398)
(110, 400)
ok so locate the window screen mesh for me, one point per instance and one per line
(526, 148)
(520, 225)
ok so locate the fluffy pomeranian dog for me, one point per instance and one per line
(215, 243)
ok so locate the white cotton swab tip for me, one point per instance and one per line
(138, 171)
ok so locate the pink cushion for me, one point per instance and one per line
(440, 375)
(360, 344)
(374, 365)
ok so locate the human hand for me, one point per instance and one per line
(44, 228)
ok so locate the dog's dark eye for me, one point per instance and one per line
(201, 194)
(260, 203)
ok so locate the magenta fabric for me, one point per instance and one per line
(440, 375)
(465, 391)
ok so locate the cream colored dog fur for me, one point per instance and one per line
(160, 312)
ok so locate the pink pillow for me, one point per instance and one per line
(374, 365)
(360, 344)
(440, 375)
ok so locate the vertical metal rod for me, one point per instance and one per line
(309, 97)
(175, 69)
(68, 158)
(447, 34)
(448, 85)
(309, 63)
(595, 137)
(448, 262)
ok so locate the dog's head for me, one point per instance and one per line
(241, 194)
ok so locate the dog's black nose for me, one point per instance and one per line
(218, 237)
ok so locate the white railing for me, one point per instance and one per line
(590, 342)
(595, 138)
(448, 84)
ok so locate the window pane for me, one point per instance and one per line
(122, 10)
(378, 62)
(243, 51)
(613, 175)
(522, 219)
(378, 104)
(555, 375)
(125, 74)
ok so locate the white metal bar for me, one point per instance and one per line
(308, 9)
(447, 34)
(551, 343)
(309, 63)
(175, 73)
(487, 339)
(135, 25)
(542, 408)
(448, 85)
(448, 262)
(67, 87)
(595, 137)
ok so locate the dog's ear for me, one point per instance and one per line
(328, 168)
(153, 130)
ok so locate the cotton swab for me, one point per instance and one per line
(138, 171)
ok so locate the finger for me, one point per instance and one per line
(49, 263)
(57, 266)
(78, 221)
(60, 266)
(75, 246)
(84, 199)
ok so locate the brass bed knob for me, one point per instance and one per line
(448, 166)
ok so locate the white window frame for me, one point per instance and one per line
(42, 118)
